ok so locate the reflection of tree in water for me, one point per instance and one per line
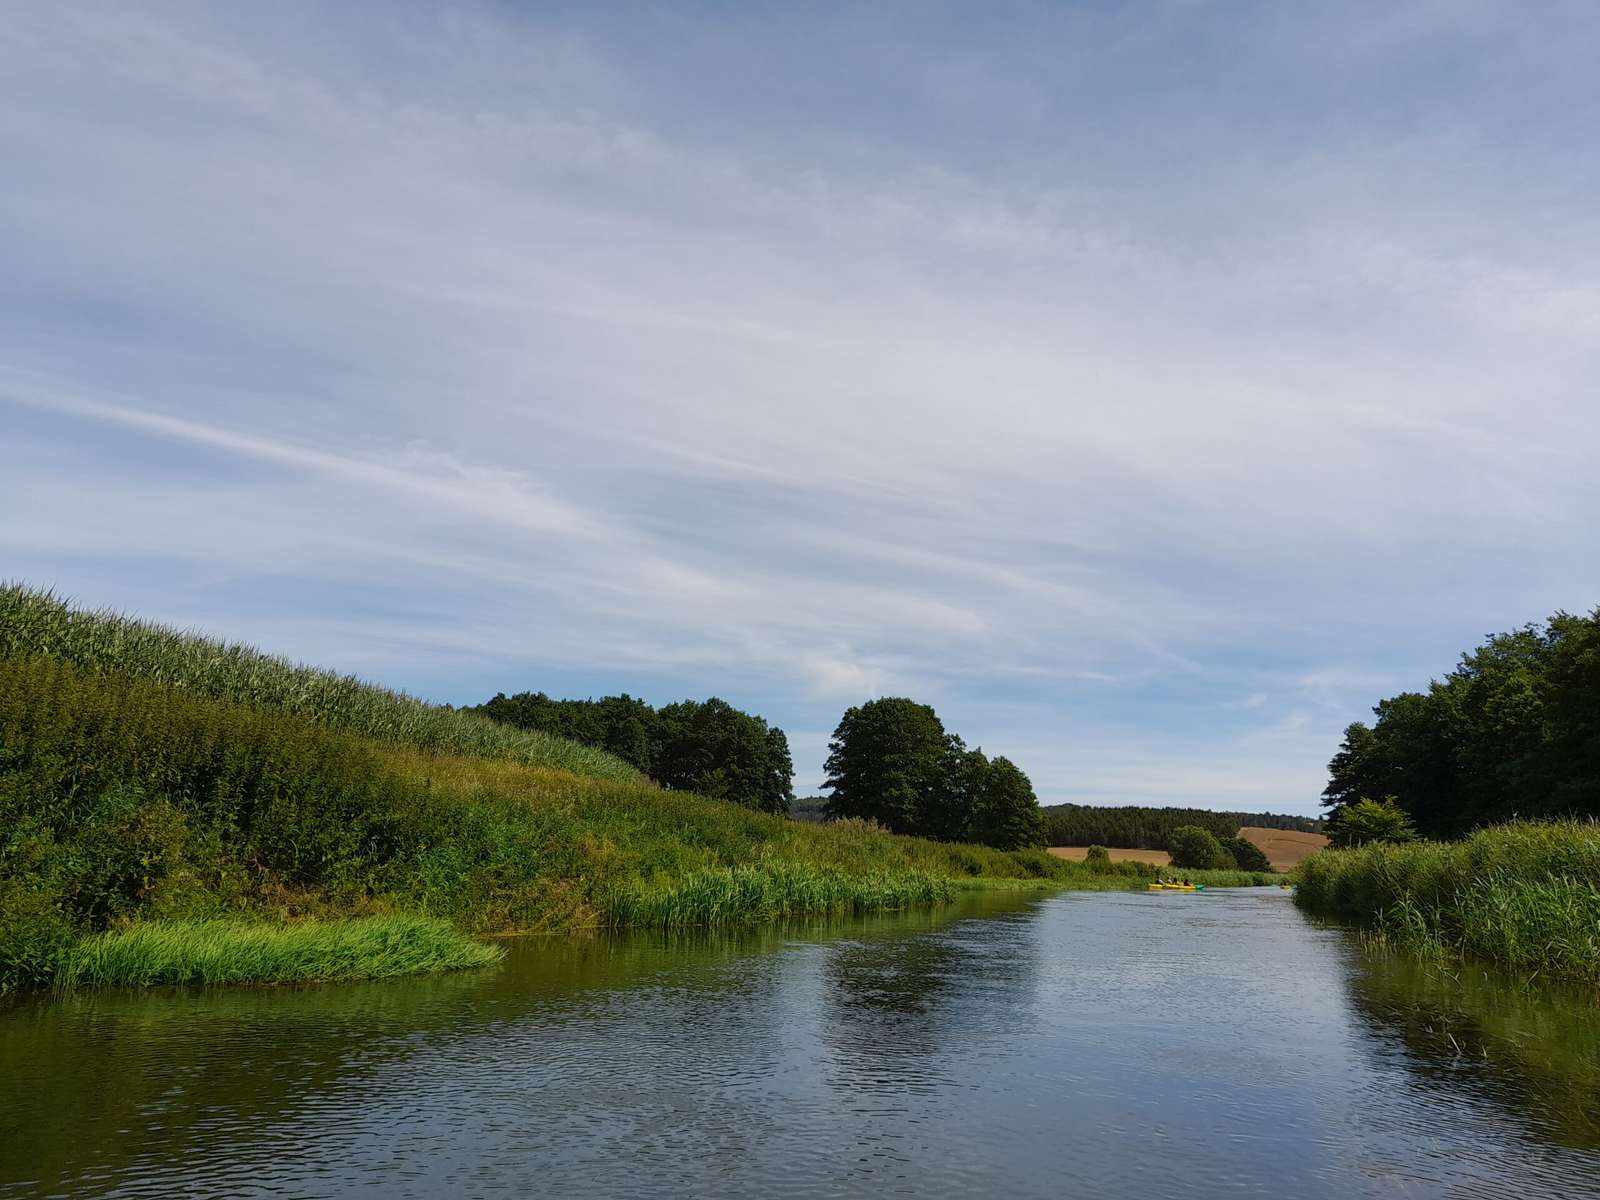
(1531, 1051)
(893, 1007)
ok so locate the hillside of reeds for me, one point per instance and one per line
(35, 623)
(1525, 894)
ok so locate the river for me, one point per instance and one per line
(1085, 1044)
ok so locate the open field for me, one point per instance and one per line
(1159, 858)
(1284, 848)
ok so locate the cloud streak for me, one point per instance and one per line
(1132, 388)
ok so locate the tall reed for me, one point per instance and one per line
(35, 623)
(1526, 894)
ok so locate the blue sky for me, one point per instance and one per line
(1149, 387)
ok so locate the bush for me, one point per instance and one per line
(1191, 846)
(1097, 854)
(1246, 854)
(1370, 821)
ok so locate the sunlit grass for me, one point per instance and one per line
(168, 952)
(37, 623)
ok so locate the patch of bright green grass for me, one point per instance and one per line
(230, 951)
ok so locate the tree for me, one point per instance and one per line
(886, 762)
(1007, 812)
(1246, 855)
(1370, 821)
(1512, 731)
(710, 747)
(951, 804)
(1197, 849)
(714, 749)
(1097, 855)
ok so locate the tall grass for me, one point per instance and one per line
(1526, 894)
(742, 895)
(35, 623)
(238, 952)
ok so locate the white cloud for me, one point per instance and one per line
(1116, 401)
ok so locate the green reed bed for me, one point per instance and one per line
(37, 624)
(1526, 894)
(170, 952)
(741, 895)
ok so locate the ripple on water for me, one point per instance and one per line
(1093, 1044)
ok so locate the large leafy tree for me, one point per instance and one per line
(885, 763)
(1007, 813)
(1197, 849)
(714, 749)
(893, 760)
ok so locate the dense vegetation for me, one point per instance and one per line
(892, 761)
(174, 821)
(36, 623)
(1512, 732)
(1131, 827)
(711, 748)
(1525, 893)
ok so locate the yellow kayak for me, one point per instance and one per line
(1172, 887)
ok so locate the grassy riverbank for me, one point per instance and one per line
(175, 808)
(1526, 894)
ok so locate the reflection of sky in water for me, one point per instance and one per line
(1097, 1045)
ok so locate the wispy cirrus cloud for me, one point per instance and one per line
(1150, 390)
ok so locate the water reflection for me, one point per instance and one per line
(1531, 1051)
(1099, 1045)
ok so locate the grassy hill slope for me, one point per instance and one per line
(173, 809)
(35, 623)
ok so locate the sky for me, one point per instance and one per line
(1151, 388)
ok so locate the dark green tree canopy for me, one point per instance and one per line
(886, 762)
(1513, 731)
(1007, 812)
(893, 761)
(1197, 849)
(708, 747)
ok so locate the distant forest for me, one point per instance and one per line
(1134, 828)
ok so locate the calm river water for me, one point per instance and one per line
(1094, 1045)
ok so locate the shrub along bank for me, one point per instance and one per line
(1526, 894)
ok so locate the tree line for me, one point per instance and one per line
(1133, 827)
(707, 746)
(1512, 731)
(890, 761)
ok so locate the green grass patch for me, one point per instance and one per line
(1525, 894)
(743, 895)
(220, 951)
(35, 623)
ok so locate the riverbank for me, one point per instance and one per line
(1524, 894)
(224, 815)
